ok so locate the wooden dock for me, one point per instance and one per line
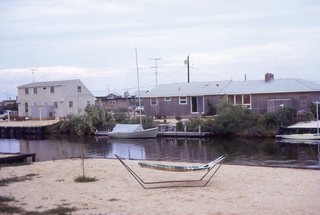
(183, 134)
(169, 130)
(24, 128)
(17, 158)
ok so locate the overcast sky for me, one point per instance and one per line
(95, 40)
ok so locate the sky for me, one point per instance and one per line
(95, 41)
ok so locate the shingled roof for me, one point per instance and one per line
(233, 87)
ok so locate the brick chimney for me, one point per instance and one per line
(268, 77)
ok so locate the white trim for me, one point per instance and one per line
(180, 100)
(167, 99)
(152, 103)
(197, 105)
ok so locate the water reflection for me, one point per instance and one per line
(261, 152)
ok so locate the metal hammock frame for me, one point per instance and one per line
(215, 164)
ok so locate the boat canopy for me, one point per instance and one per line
(127, 128)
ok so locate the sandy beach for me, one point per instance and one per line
(234, 190)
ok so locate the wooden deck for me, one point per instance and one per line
(183, 134)
(17, 158)
(23, 128)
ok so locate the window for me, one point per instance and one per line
(112, 102)
(244, 100)
(88, 103)
(70, 104)
(55, 104)
(51, 89)
(167, 99)
(183, 100)
(238, 99)
(26, 108)
(303, 102)
(26, 90)
(153, 102)
(35, 90)
(231, 99)
(194, 104)
(79, 89)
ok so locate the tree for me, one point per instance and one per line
(83, 125)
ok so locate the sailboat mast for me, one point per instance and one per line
(138, 86)
(317, 109)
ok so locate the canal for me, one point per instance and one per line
(256, 152)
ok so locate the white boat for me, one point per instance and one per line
(132, 131)
(299, 136)
(307, 136)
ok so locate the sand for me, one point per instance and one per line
(234, 190)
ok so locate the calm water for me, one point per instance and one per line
(257, 152)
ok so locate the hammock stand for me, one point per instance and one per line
(215, 164)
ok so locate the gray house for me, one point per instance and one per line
(53, 99)
(192, 99)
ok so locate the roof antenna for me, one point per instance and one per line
(32, 70)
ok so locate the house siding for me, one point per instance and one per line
(64, 92)
(259, 103)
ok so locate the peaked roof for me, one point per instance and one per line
(49, 83)
(233, 87)
(53, 83)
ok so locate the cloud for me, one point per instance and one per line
(94, 40)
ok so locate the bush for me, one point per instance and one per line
(179, 126)
(147, 121)
(268, 120)
(120, 117)
(211, 110)
(286, 116)
(305, 117)
(232, 119)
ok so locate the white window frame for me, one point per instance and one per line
(246, 105)
(167, 99)
(152, 103)
(70, 104)
(183, 100)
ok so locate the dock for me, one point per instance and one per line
(183, 134)
(167, 130)
(17, 158)
(23, 128)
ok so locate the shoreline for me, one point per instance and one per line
(233, 190)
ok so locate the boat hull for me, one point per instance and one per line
(147, 133)
(300, 136)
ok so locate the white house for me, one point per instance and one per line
(53, 99)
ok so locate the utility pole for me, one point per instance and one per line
(32, 70)
(188, 68)
(155, 67)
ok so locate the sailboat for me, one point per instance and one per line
(133, 131)
(308, 136)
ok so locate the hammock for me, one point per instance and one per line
(177, 168)
(175, 183)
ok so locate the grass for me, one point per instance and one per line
(6, 181)
(5, 208)
(82, 179)
(60, 210)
